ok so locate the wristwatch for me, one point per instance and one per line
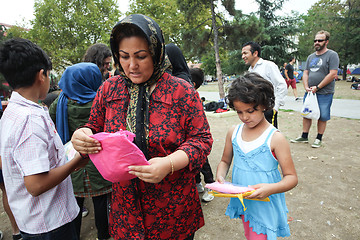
(317, 88)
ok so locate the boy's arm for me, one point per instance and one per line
(39, 183)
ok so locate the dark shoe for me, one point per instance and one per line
(17, 237)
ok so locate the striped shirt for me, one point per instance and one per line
(29, 144)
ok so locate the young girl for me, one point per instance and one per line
(258, 148)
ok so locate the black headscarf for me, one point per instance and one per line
(180, 68)
(138, 110)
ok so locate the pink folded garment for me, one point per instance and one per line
(117, 154)
(228, 187)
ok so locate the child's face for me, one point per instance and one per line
(45, 87)
(248, 114)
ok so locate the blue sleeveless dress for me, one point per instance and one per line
(259, 166)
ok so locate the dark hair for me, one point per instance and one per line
(197, 76)
(97, 53)
(251, 88)
(253, 47)
(21, 60)
(125, 31)
(291, 58)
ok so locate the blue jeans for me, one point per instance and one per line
(66, 231)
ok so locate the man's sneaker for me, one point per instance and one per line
(1, 235)
(207, 197)
(84, 212)
(200, 187)
(299, 140)
(316, 144)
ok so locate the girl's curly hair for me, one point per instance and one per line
(251, 88)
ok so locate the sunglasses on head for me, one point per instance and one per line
(319, 40)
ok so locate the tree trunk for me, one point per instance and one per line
(217, 55)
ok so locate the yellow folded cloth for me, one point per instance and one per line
(240, 196)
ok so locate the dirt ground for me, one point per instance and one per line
(325, 204)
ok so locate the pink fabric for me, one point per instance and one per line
(228, 187)
(250, 234)
(117, 154)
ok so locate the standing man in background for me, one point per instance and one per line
(251, 52)
(319, 77)
(289, 77)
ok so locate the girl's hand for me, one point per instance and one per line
(158, 169)
(83, 143)
(220, 179)
(262, 190)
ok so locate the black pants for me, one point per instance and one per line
(66, 231)
(101, 215)
(271, 117)
(207, 172)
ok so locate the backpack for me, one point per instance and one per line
(212, 106)
(355, 86)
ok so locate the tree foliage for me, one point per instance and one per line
(66, 28)
(278, 42)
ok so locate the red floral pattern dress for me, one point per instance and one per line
(170, 209)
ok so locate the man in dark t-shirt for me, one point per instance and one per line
(289, 77)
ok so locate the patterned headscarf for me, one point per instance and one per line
(138, 110)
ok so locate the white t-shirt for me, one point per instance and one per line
(270, 72)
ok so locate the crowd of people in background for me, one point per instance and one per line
(144, 86)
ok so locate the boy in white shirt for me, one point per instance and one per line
(35, 170)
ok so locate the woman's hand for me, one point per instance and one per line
(158, 169)
(262, 190)
(83, 143)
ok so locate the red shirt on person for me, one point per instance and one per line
(170, 209)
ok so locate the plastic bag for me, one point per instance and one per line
(117, 154)
(228, 187)
(310, 108)
(69, 151)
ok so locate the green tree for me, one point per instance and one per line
(66, 28)
(279, 33)
(320, 16)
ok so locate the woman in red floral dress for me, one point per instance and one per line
(171, 129)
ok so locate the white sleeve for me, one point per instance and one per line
(280, 87)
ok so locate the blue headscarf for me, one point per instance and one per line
(79, 83)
